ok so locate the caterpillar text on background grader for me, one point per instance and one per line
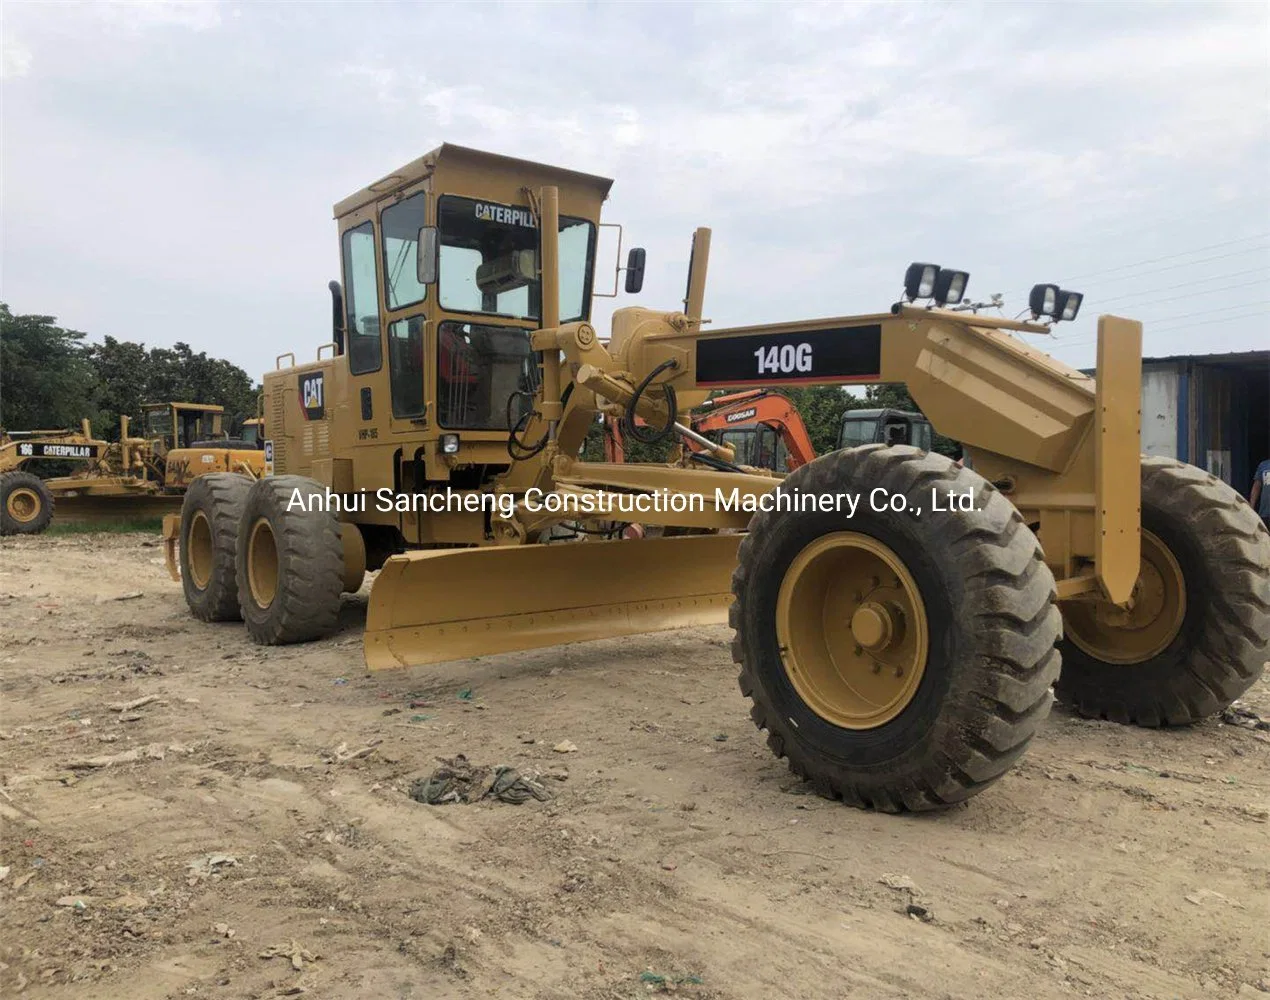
(899, 621)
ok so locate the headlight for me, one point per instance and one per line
(919, 280)
(1069, 304)
(449, 444)
(950, 286)
(1044, 300)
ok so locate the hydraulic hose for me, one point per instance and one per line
(628, 416)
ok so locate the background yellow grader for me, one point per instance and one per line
(900, 651)
(132, 478)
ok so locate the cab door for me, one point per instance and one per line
(363, 342)
(405, 304)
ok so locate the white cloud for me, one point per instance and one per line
(197, 155)
(15, 60)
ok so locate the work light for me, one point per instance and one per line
(1044, 300)
(1069, 304)
(449, 444)
(919, 280)
(950, 286)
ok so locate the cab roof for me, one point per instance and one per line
(450, 157)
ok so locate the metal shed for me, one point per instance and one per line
(1212, 410)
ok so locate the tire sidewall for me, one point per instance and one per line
(1200, 578)
(25, 480)
(917, 543)
(259, 505)
(308, 546)
(218, 600)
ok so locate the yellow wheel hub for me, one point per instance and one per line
(23, 505)
(262, 563)
(199, 548)
(852, 630)
(1145, 627)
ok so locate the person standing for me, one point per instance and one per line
(1259, 496)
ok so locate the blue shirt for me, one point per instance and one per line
(1263, 502)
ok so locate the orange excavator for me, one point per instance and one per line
(762, 427)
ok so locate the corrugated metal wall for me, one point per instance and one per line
(1218, 422)
(1206, 415)
(1159, 411)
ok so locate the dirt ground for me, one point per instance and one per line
(249, 850)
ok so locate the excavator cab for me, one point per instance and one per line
(759, 446)
(884, 426)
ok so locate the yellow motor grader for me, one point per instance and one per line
(134, 477)
(899, 621)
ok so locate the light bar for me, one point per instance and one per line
(1043, 301)
(1069, 304)
(919, 280)
(950, 286)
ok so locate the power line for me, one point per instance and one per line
(1184, 284)
(1188, 295)
(1172, 256)
(1211, 312)
(1225, 319)
(1171, 327)
(1170, 267)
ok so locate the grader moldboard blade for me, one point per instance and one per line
(434, 606)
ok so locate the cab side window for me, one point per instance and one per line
(400, 224)
(361, 300)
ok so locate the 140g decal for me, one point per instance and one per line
(827, 354)
(784, 360)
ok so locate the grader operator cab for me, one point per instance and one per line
(898, 620)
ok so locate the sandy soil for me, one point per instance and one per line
(1112, 862)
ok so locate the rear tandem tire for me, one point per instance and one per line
(26, 504)
(1199, 635)
(959, 611)
(210, 514)
(290, 563)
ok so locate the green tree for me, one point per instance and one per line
(45, 379)
(821, 407)
(131, 375)
(123, 371)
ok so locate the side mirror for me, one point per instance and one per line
(635, 270)
(426, 257)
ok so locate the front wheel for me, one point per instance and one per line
(1197, 633)
(898, 660)
(26, 504)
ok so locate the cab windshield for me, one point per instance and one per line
(488, 261)
(159, 423)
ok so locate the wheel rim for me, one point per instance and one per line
(852, 630)
(262, 563)
(200, 549)
(23, 505)
(1145, 629)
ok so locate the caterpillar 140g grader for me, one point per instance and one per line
(899, 622)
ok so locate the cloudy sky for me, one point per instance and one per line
(169, 168)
